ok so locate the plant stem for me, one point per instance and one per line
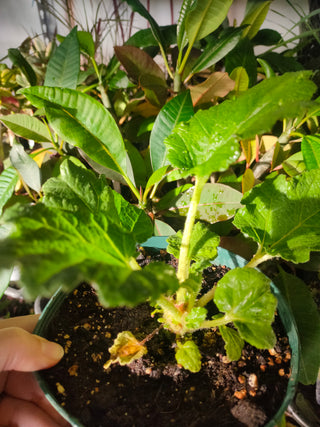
(203, 301)
(258, 258)
(184, 259)
(207, 324)
(168, 306)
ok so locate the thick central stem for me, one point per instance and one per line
(184, 258)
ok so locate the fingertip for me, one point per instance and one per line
(51, 350)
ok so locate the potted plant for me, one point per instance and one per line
(76, 228)
(82, 230)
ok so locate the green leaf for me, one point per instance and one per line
(233, 342)
(294, 165)
(310, 147)
(125, 349)
(83, 122)
(84, 231)
(307, 319)
(19, 61)
(196, 316)
(78, 189)
(281, 63)
(5, 275)
(182, 39)
(243, 56)
(217, 49)
(203, 245)
(86, 43)
(26, 166)
(208, 142)
(138, 7)
(8, 181)
(64, 65)
(205, 17)
(27, 127)
(218, 202)
(144, 38)
(267, 37)
(188, 355)
(283, 216)
(157, 176)
(244, 295)
(179, 109)
(134, 287)
(255, 18)
(162, 229)
(241, 78)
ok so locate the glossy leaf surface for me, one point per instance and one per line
(177, 110)
(64, 65)
(204, 18)
(83, 122)
(28, 127)
(8, 181)
(253, 314)
(209, 141)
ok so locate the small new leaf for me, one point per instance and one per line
(233, 342)
(196, 316)
(188, 356)
(253, 314)
(125, 349)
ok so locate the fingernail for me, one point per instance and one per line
(51, 349)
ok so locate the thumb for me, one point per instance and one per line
(22, 351)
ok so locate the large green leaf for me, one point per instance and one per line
(19, 61)
(255, 18)
(182, 39)
(218, 202)
(83, 122)
(310, 147)
(145, 38)
(307, 319)
(208, 142)
(244, 295)
(28, 169)
(8, 181)
(177, 110)
(64, 65)
(283, 216)
(28, 127)
(217, 49)
(78, 189)
(204, 18)
(82, 231)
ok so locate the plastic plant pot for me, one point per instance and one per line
(226, 258)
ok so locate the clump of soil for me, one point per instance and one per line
(154, 390)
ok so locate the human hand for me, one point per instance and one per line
(22, 402)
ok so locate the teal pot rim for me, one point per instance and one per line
(226, 258)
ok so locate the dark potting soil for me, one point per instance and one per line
(154, 391)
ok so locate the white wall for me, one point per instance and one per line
(19, 18)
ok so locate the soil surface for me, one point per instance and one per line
(154, 391)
